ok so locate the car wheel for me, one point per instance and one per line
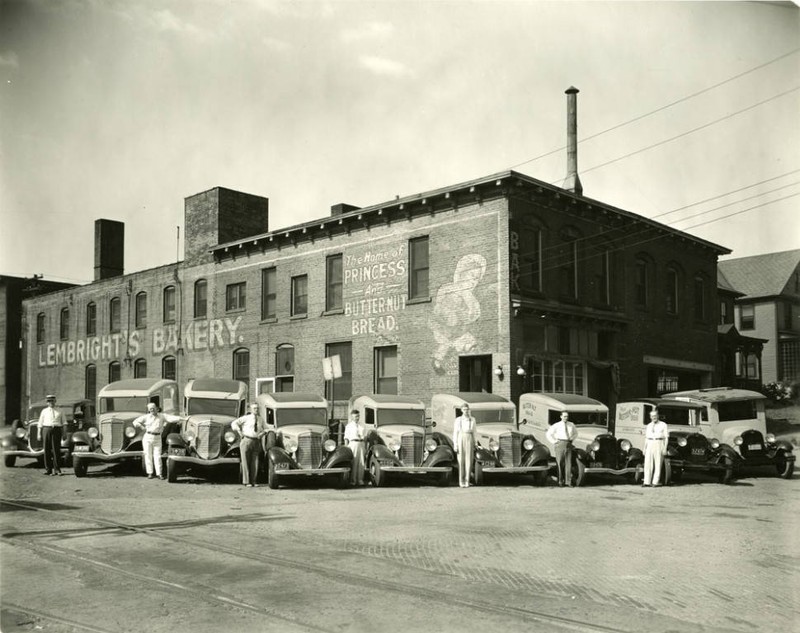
(79, 466)
(272, 478)
(172, 471)
(784, 467)
(377, 474)
(726, 476)
(578, 472)
(477, 474)
(10, 460)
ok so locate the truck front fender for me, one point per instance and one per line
(342, 455)
(538, 454)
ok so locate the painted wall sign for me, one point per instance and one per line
(197, 336)
(375, 290)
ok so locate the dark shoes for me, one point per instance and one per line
(151, 476)
(47, 473)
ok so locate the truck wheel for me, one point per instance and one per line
(667, 473)
(540, 477)
(446, 478)
(343, 480)
(726, 476)
(172, 471)
(79, 466)
(578, 472)
(477, 474)
(272, 478)
(377, 474)
(784, 466)
(10, 460)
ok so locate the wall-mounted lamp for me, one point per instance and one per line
(521, 371)
(498, 371)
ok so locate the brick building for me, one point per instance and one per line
(504, 283)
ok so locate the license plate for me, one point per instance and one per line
(282, 466)
(177, 451)
(595, 464)
(80, 448)
(698, 451)
(754, 447)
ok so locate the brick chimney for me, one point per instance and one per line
(572, 182)
(109, 249)
(339, 209)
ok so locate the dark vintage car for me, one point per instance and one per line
(25, 441)
(687, 448)
(205, 439)
(298, 443)
(399, 441)
(502, 447)
(596, 451)
(115, 439)
(736, 417)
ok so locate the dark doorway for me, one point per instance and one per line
(475, 373)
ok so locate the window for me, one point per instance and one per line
(284, 368)
(530, 274)
(568, 271)
(672, 291)
(241, 365)
(475, 373)
(723, 312)
(559, 376)
(40, 327)
(91, 382)
(788, 317)
(699, 299)
(114, 314)
(91, 319)
(235, 297)
(343, 387)
(141, 310)
(747, 316)
(386, 370)
(64, 331)
(169, 368)
(603, 278)
(169, 304)
(268, 293)
(419, 268)
(114, 371)
(200, 298)
(333, 282)
(641, 283)
(299, 295)
(140, 368)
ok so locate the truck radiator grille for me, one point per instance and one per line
(510, 450)
(309, 450)
(411, 449)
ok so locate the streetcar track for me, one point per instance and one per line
(27, 611)
(337, 575)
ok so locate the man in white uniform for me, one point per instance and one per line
(153, 424)
(354, 438)
(655, 447)
(561, 435)
(51, 424)
(464, 444)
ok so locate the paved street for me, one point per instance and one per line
(117, 552)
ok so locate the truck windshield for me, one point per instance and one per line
(581, 418)
(493, 416)
(674, 416)
(286, 417)
(407, 417)
(129, 404)
(739, 410)
(212, 406)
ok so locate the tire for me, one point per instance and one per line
(784, 467)
(343, 480)
(637, 477)
(446, 478)
(669, 474)
(172, 471)
(477, 474)
(726, 476)
(79, 466)
(10, 460)
(272, 478)
(377, 474)
(540, 478)
(578, 472)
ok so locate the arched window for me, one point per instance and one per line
(169, 304)
(700, 299)
(642, 274)
(200, 298)
(91, 319)
(671, 289)
(568, 256)
(91, 382)
(140, 368)
(64, 332)
(241, 365)
(284, 367)
(40, 322)
(114, 371)
(114, 314)
(141, 310)
(169, 368)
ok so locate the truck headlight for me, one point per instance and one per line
(715, 443)
(682, 441)
(130, 432)
(527, 443)
(394, 445)
(770, 438)
(93, 432)
(290, 445)
(329, 445)
(494, 445)
(595, 446)
(625, 445)
(189, 436)
(229, 437)
(738, 440)
(431, 445)
(21, 432)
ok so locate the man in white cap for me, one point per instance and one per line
(656, 434)
(153, 424)
(51, 423)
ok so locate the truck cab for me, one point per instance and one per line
(501, 447)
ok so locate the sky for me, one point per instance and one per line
(688, 113)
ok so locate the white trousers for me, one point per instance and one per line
(151, 445)
(653, 458)
(464, 456)
(357, 472)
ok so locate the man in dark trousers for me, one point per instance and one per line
(51, 424)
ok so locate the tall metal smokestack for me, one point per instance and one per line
(572, 182)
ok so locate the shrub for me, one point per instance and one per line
(777, 391)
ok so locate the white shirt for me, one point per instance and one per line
(353, 431)
(562, 432)
(154, 422)
(248, 425)
(656, 431)
(463, 425)
(50, 416)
